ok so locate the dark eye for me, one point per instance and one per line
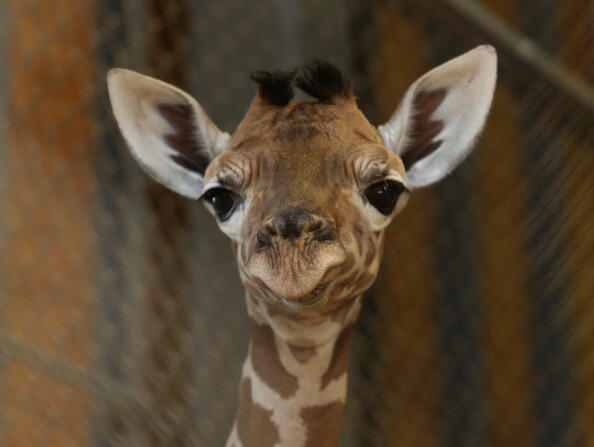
(223, 202)
(384, 195)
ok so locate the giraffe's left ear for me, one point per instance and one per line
(441, 116)
(169, 134)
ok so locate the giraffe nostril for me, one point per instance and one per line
(263, 241)
(325, 233)
(268, 228)
(315, 225)
(265, 234)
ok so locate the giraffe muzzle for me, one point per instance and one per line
(294, 253)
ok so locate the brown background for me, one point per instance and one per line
(121, 314)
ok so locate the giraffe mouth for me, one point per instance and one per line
(298, 273)
(312, 296)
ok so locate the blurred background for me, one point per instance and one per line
(122, 320)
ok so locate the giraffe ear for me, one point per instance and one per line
(167, 131)
(441, 115)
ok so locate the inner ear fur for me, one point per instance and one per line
(441, 115)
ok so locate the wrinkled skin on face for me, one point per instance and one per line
(303, 231)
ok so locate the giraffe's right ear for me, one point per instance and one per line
(441, 116)
(167, 131)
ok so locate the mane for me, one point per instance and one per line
(319, 79)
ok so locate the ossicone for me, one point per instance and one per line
(324, 81)
(275, 87)
(319, 79)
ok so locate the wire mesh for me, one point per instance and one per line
(122, 321)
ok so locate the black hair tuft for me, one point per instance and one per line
(323, 81)
(275, 87)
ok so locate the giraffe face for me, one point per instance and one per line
(305, 192)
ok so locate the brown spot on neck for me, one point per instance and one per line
(301, 354)
(266, 361)
(254, 423)
(339, 361)
(323, 424)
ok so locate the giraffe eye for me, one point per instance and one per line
(223, 201)
(384, 195)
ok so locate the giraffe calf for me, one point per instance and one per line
(304, 191)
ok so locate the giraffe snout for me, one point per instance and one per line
(295, 223)
(295, 254)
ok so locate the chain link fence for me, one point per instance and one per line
(122, 321)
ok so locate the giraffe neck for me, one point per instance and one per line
(294, 380)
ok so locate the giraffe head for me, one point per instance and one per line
(305, 190)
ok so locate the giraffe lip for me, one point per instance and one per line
(312, 296)
(298, 275)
